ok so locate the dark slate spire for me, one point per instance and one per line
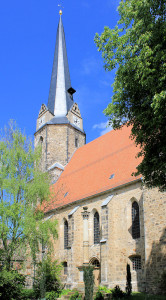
(60, 97)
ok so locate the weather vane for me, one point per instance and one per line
(60, 5)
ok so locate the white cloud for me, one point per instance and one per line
(109, 128)
(101, 125)
(104, 126)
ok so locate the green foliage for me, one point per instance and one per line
(104, 289)
(75, 296)
(22, 188)
(27, 294)
(47, 277)
(128, 281)
(117, 293)
(51, 295)
(89, 282)
(101, 291)
(65, 292)
(11, 285)
(99, 296)
(137, 48)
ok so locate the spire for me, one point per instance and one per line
(61, 93)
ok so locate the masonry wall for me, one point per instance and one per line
(155, 237)
(58, 143)
(117, 247)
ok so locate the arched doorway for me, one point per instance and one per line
(96, 264)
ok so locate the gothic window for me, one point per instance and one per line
(136, 262)
(65, 267)
(41, 140)
(66, 237)
(135, 221)
(96, 228)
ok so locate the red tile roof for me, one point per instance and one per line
(89, 169)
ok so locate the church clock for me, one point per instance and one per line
(76, 121)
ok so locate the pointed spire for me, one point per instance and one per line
(60, 95)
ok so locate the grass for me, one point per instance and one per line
(141, 296)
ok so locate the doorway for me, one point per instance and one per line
(96, 264)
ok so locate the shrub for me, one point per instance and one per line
(47, 278)
(75, 296)
(89, 282)
(117, 292)
(65, 292)
(11, 285)
(99, 296)
(52, 295)
(104, 289)
(27, 294)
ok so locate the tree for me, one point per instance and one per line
(47, 277)
(88, 281)
(22, 188)
(128, 281)
(137, 48)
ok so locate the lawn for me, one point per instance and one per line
(141, 296)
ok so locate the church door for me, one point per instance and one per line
(95, 263)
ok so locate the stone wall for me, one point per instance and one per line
(155, 237)
(58, 144)
(117, 247)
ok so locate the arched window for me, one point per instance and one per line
(135, 221)
(65, 267)
(95, 263)
(65, 234)
(96, 228)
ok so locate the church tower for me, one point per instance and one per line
(59, 126)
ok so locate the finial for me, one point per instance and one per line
(60, 12)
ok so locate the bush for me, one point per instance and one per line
(47, 278)
(52, 295)
(75, 296)
(117, 292)
(99, 296)
(11, 285)
(101, 291)
(65, 292)
(27, 294)
(104, 289)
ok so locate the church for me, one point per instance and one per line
(106, 217)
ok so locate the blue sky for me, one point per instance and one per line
(28, 33)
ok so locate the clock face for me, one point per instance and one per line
(76, 121)
(41, 121)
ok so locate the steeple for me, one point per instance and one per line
(60, 97)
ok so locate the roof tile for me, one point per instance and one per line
(89, 169)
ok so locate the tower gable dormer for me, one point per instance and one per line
(74, 116)
(44, 116)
